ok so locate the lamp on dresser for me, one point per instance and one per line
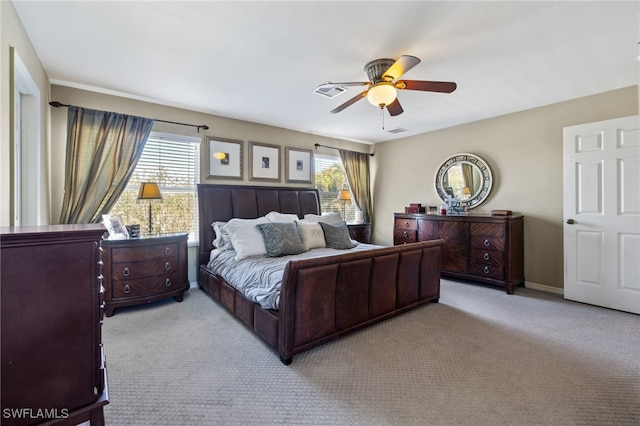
(344, 197)
(149, 192)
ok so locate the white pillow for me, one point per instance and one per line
(311, 235)
(333, 218)
(281, 217)
(246, 237)
(222, 240)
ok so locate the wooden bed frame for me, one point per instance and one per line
(322, 298)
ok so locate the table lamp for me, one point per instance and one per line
(344, 196)
(149, 192)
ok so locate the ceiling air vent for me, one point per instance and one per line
(397, 130)
(330, 91)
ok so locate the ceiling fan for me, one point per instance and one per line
(383, 85)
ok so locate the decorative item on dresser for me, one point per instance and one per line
(144, 270)
(53, 367)
(488, 249)
(360, 232)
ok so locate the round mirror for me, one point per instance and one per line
(464, 179)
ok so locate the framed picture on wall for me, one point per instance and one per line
(264, 162)
(224, 158)
(299, 165)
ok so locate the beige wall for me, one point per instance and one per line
(524, 152)
(13, 37)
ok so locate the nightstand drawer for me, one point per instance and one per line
(360, 232)
(148, 268)
(134, 254)
(145, 286)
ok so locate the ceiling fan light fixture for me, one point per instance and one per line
(381, 94)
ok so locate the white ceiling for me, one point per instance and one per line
(261, 60)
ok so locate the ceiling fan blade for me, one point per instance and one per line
(350, 102)
(394, 108)
(427, 86)
(350, 83)
(401, 66)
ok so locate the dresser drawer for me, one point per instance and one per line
(410, 224)
(487, 256)
(145, 286)
(147, 268)
(487, 229)
(404, 236)
(487, 243)
(487, 270)
(134, 254)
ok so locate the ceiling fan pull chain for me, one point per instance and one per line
(382, 115)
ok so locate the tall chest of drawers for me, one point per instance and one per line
(144, 270)
(488, 249)
(53, 366)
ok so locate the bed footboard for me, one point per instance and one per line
(324, 298)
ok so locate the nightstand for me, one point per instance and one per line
(360, 232)
(144, 270)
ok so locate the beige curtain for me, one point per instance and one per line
(103, 149)
(356, 166)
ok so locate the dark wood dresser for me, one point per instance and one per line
(143, 270)
(53, 368)
(488, 249)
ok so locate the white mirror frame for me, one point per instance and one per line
(480, 195)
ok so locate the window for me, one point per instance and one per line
(330, 179)
(173, 161)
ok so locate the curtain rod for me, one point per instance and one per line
(57, 104)
(340, 149)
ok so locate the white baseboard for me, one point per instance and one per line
(542, 287)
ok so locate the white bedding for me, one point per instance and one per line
(258, 277)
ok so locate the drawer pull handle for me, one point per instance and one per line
(486, 269)
(126, 272)
(126, 289)
(167, 266)
(167, 251)
(486, 256)
(487, 243)
(405, 234)
(167, 282)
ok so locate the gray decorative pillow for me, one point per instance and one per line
(281, 238)
(337, 235)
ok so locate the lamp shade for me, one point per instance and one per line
(149, 191)
(381, 94)
(344, 195)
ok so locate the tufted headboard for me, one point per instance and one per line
(224, 202)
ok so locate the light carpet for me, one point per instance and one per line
(479, 357)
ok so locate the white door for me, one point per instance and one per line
(601, 183)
